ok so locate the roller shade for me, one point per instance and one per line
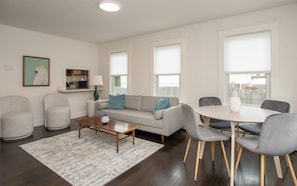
(118, 63)
(167, 59)
(248, 52)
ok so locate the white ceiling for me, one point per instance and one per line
(83, 20)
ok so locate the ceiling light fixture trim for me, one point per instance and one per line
(109, 5)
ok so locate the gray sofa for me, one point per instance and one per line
(139, 110)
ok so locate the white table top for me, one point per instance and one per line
(245, 115)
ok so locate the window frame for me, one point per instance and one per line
(111, 77)
(273, 28)
(155, 45)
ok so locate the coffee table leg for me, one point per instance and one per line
(117, 141)
(78, 126)
(133, 136)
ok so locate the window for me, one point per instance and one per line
(167, 62)
(247, 59)
(118, 73)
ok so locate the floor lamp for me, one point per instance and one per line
(95, 81)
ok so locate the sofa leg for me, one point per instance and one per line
(162, 139)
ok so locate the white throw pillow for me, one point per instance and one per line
(158, 114)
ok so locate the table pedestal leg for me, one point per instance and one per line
(233, 124)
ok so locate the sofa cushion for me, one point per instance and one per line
(173, 101)
(132, 102)
(116, 102)
(133, 116)
(162, 103)
(148, 103)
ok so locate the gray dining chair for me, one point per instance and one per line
(277, 138)
(201, 134)
(215, 123)
(255, 128)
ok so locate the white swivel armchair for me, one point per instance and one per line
(57, 111)
(16, 118)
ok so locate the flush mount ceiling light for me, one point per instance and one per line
(109, 6)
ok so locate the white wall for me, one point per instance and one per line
(200, 69)
(63, 53)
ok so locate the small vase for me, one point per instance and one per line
(96, 94)
(234, 102)
(104, 119)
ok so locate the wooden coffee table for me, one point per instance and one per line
(113, 128)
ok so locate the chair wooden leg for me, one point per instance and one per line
(278, 166)
(197, 161)
(289, 163)
(238, 159)
(187, 149)
(286, 162)
(225, 158)
(262, 171)
(264, 165)
(212, 148)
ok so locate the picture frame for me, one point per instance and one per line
(36, 71)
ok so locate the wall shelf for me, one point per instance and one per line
(74, 90)
(69, 90)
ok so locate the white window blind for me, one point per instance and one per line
(248, 53)
(167, 59)
(167, 62)
(118, 63)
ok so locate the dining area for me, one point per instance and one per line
(268, 131)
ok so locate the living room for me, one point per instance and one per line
(201, 73)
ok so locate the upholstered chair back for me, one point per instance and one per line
(209, 101)
(190, 121)
(278, 135)
(276, 105)
(14, 103)
(55, 99)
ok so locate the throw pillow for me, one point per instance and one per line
(116, 102)
(162, 103)
(158, 114)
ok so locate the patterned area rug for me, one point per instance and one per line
(92, 159)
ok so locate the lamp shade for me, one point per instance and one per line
(96, 80)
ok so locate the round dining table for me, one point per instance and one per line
(246, 114)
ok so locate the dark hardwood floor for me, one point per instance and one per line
(165, 167)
